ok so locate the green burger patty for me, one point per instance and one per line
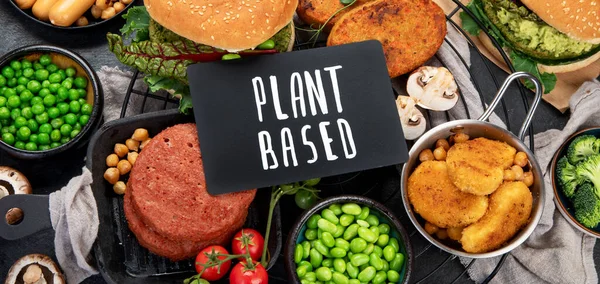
(532, 36)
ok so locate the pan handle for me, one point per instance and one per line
(500, 94)
(36, 216)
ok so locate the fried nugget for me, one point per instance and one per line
(509, 210)
(317, 12)
(411, 32)
(438, 201)
(477, 166)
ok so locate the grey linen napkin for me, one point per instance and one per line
(74, 217)
(555, 252)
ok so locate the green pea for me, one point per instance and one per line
(378, 251)
(231, 56)
(45, 128)
(339, 265)
(12, 82)
(343, 244)
(70, 72)
(18, 73)
(45, 84)
(268, 44)
(41, 74)
(330, 216)
(30, 146)
(2, 101)
(4, 113)
(298, 252)
(38, 109)
(351, 232)
(63, 74)
(54, 145)
(63, 108)
(82, 101)
(23, 133)
(305, 249)
(14, 113)
(74, 106)
(12, 130)
(310, 276)
(16, 65)
(19, 89)
(34, 86)
(315, 257)
(8, 138)
(336, 209)
(52, 68)
(71, 118)
(375, 231)
(321, 248)
(375, 261)
(383, 240)
(323, 274)
(43, 147)
(22, 81)
(393, 276)
(13, 102)
(67, 84)
(55, 135)
(53, 112)
(389, 253)
(384, 228)
(380, 277)
(80, 82)
(66, 129)
(36, 100)
(394, 244)
(25, 63)
(57, 123)
(359, 259)
(337, 252)
(310, 234)
(367, 274)
(363, 223)
(64, 140)
(26, 96)
(33, 125)
(364, 213)
(367, 235)
(8, 72)
(351, 209)
(397, 262)
(327, 263)
(54, 78)
(339, 231)
(73, 95)
(312, 221)
(28, 73)
(3, 81)
(43, 139)
(49, 100)
(309, 266)
(326, 225)
(82, 93)
(352, 270)
(339, 278)
(37, 66)
(372, 220)
(45, 59)
(54, 88)
(346, 220)
(301, 271)
(20, 145)
(369, 249)
(328, 239)
(10, 92)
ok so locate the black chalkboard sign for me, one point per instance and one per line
(282, 118)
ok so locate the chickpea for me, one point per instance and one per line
(451, 140)
(528, 178)
(455, 233)
(431, 228)
(518, 172)
(426, 155)
(439, 154)
(126, 2)
(509, 175)
(103, 4)
(112, 160)
(144, 143)
(442, 143)
(118, 6)
(120, 187)
(461, 137)
(96, 12)
(132, 157)
(111, 175)
(108, 13)
(121, 150)
(83, 21)
(140, 135)
(521, 159)
(442, 234)
(124, 167)
(132, 145)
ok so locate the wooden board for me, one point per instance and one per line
(567, 83)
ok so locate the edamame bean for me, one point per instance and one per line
(312, 221)
(367, 274)
(315, 258)
(380, 277)
(327, 239)
(386, 265)
(306, 249)
(330, 216)
(327, 262)
(323, 274)
(321, 248)
(339, 231)
(336, 209)
(337, 252)
(397, 263)
(326, 226)
(363, 223)
(384, 228)
(353, 281)
(298, 253)
(352, 270)
(367, 235)
(372, 220)
(393, 276)
(339, 265)
(369, 249)
(346, 220)
(310, 276)
(359, 259)
(310, 234)
(394, 244)
(351, 209)
(339, 278)
(378, 251)
(375, 261)
(383, 239)
(389, 253)
(364, 213)
(343, 244)
(319, 233)
(301, 271)
(269, 44)
(375, 230)
(358, 245)
(309, 266)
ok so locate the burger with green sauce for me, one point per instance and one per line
(163, 37)
(541, 37)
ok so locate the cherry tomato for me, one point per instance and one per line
(305, 199)
(255, 240)
(242, 274)
(208, 256)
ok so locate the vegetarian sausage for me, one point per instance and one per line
(25, 4)
(41, 9)
(65, 12)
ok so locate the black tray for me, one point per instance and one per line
(119, 256)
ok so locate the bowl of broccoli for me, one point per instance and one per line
(576, 180)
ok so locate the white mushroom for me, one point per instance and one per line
(433, 88)
(35, 269)
(413, 121)
(13, 182)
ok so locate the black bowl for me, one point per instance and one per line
(385, 216)
(94, 96)
(92, 22)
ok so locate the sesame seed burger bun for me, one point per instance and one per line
(228, 25)
(577, 19)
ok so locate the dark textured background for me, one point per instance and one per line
(51, 175)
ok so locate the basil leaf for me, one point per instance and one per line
(522, 63)
(137, 22)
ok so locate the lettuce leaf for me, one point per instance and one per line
(468, 24)
(138, 21)
(176, 88)
(522, 63)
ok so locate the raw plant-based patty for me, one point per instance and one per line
(437, 200)
(411, 32)
(317, 12)
(169, 191)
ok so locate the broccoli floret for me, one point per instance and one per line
(587, 205)
(567, 177)
(582, 147)
(589, 170)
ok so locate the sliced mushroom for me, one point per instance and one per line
(413, 121)
(433, 88)
(35, 269)
(13, 182)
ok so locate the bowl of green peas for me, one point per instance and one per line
(50, 101)
(348, 239)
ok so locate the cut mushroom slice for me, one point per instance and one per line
(413, 121)
(433, 88)
(13, 182)
(35, 269)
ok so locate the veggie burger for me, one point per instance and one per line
(542, 37)
(169, 35)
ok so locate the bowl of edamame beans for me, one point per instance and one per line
(50, 101)
(348, 239)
